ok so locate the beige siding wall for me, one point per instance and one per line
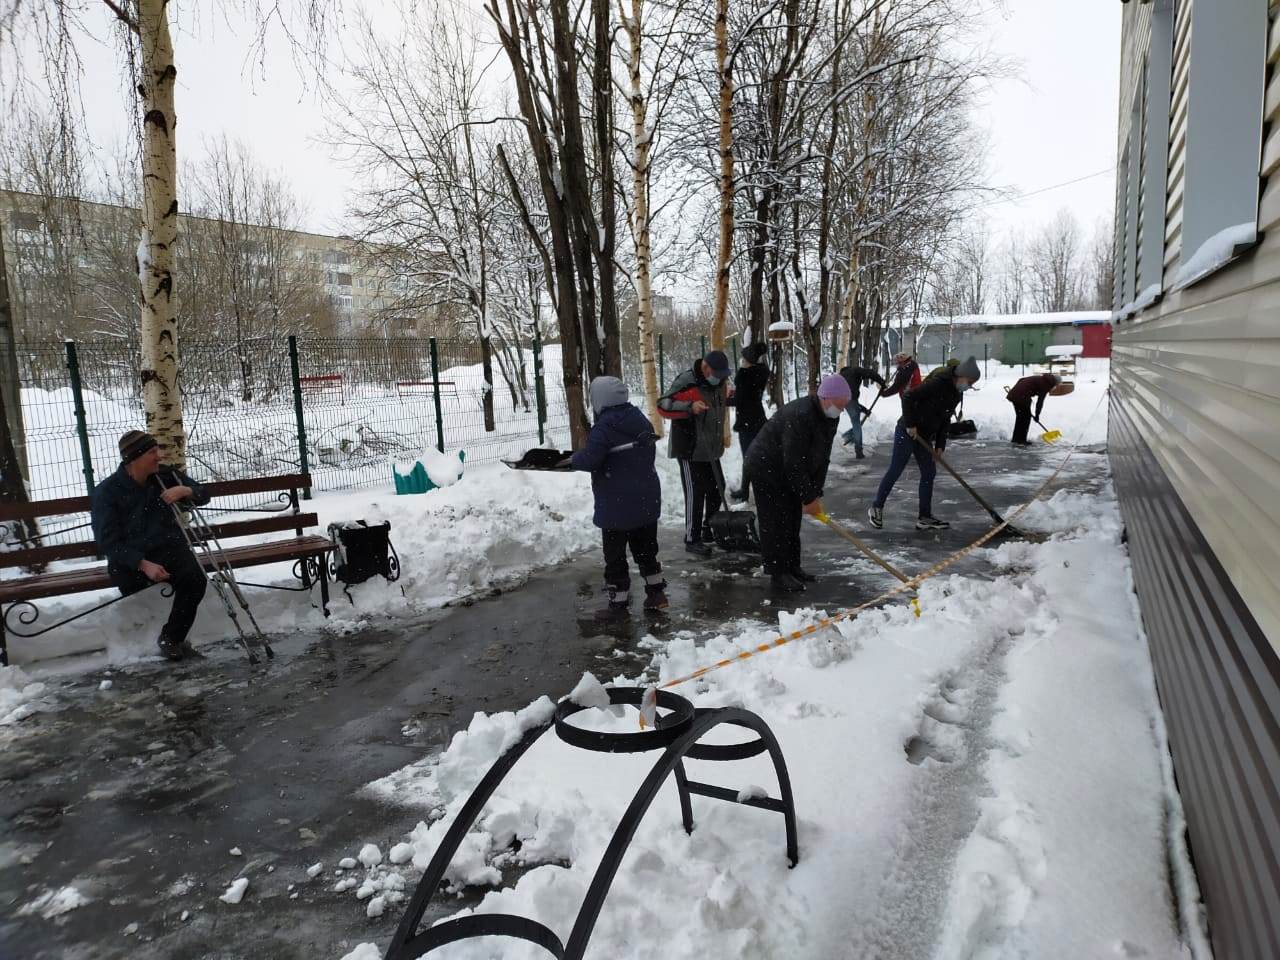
(1200, 371)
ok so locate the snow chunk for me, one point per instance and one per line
(236, 852)
(186, 915)
(752, 792)
(314, 870)
(370, 855)
(365, 951)
(347, 863)
(401, 853)
(377, 906)
(235, 892)
(54, 903)
(105, 685)
(16, 689)
(131, 929)
(590, 693)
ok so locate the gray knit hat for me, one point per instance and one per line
(969, 369)
(607, 392)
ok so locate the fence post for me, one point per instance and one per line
(986, 361)
(82, 425)
(795, 369)
(662, 366)
(1023, 344)
(539, 387)
(735, 353)
(435, 393)
(704, 348)
(296, 372)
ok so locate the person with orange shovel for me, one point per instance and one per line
(1021, 394)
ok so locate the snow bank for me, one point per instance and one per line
(17, 690)
(979, 782)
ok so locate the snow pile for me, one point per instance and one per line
(54, 903)
(1215, 252)
(444, 469)
(590, 693)
(17, 690)
(982, 781)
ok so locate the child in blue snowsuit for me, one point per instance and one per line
(628, 497)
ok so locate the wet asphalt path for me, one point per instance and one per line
(138, 793)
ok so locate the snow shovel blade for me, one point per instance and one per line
(1050, 436)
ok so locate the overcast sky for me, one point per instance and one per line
(1053, 124)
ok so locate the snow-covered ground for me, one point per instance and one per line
(495, 524)
(989, 780)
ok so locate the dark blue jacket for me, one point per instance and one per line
(627, 492)
(129, 520)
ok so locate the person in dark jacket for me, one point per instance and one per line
(137, 532)
(857, 378)
(695, 404)
(926, 411)
(787, 466)
(1021, 395)
(628, 497)
(749, 385)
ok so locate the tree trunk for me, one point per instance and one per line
(606, 239)
(10, 381)
(486, 364)
(156, 77)
(640, 182)
(725, 252)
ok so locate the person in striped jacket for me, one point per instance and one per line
(695, 404)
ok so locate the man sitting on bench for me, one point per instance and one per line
(137, 532)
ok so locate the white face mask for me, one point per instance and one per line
(713, 381)
(833, 413)
(962, 387)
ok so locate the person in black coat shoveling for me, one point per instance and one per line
(136, 530)
(628, 496)
(858, 377)
(695, 404)
(749, 383)
(787, 467)
(926, 411)
(1021, 394)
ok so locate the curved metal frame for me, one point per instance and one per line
(28, 613)
(408, 944)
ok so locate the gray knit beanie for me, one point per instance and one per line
(969, 369)
(607, 392)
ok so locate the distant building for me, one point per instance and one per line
(1195, 425)
(338, 268)
(1009, 338)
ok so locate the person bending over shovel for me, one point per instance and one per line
(138, 533)
(1021, 394)
(628, 495)
(926, 411)
(787, 467)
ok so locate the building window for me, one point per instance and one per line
(1224, 135)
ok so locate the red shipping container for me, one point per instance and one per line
(1096, 340)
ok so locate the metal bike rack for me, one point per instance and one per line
(677, 734)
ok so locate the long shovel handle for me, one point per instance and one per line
(874, 400)
(937, 455)
(857, 542)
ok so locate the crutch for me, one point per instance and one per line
(205, 541)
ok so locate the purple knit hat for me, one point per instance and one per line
(834, 387)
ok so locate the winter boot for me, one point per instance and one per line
(858, 454)
(803, 575)
(169, 649)
(876, 516)
(617, 608)
(700, 548)
(931, 523)
(189, 651)
(655, 595)
(786, 583)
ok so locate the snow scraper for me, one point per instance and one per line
(1049, 436)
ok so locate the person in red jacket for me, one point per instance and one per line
(1021, 395)
(905, 379)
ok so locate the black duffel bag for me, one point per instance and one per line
(361, 551)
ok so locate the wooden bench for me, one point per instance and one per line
(309, 551)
